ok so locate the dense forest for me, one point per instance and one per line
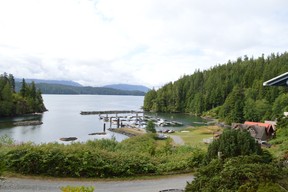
(47, 88)
(232, 92)
(27, 100)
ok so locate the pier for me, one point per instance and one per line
(117, 117)
(109, 112)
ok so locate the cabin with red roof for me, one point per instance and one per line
(259, 131)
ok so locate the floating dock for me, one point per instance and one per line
(109, 112)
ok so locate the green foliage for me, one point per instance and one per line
(149, 100)
(257, 110)
(280, 105)
(150, 127)
(236, 87)
(28, 100)
(267, 187)
(4, 142)
(102, 158)
(2, 163)
(232, 109)
(233, 143)
(77, 189)
(242, 173)
(281, 134)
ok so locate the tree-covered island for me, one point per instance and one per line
(12, 103)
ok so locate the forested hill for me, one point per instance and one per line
(233, 91)
(67, 89)
(129, 87)
(56, 82)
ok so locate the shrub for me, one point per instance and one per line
(77, 189)
(242, 173)
(150, 127)
(233, 143)
(103, 158)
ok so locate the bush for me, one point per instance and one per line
(233, 143)
(77, 189)
(242, 173)
(102, 158)
(150, 127)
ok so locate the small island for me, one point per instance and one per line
(27, 100)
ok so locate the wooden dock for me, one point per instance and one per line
(110, 112)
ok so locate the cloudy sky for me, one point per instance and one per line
(148, 42)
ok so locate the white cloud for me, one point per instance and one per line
(149, 42)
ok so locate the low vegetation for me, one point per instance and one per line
(240, 166)
(77, 189)
(194, 136)
(101, 158)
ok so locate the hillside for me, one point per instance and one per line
(128, 87)
(71, 87)
(66, 89)
(232, 91)
(56, 82)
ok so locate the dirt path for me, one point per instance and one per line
(51, 185)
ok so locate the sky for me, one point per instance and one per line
(140, 42)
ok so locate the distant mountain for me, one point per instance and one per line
(71, 87)
(55, 82)
(127, 87)
(77, 90)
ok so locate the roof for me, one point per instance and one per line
(281, 80)
(266, 125)
(256, 131)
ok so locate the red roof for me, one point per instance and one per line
(266, 125)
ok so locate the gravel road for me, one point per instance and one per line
(51, 185)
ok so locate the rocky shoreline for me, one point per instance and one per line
(27, 123)
(129, 132)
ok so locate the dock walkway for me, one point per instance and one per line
(109, 112)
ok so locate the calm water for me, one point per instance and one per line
(64, 120)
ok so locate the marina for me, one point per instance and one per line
(63, 120)
(130, 118)
(109, 112)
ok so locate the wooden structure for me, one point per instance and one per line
(109, 112)
(113, 119)
(258, 130)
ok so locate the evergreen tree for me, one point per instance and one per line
(12, 82)
(28, 100)
(150, 127)
(233, 143)
(149, 100)
(23, 90)
(213, 88)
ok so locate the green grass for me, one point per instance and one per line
(194, 135)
